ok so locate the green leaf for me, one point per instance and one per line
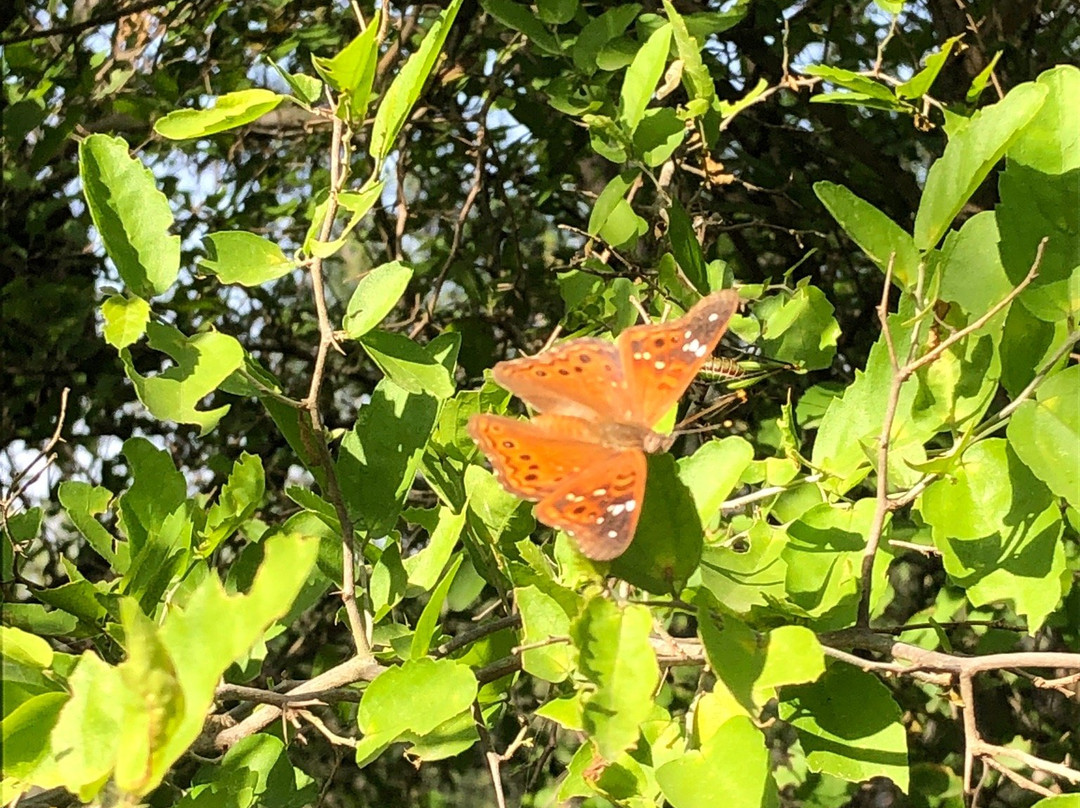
(1045, 433)
(242, 493)
(164, 554)
(566, 712)
(686, 248)
(823, 558)
(793, 656)
(203, 362)
(125, 319)
(599, 31)
(306, 89)
(849, 726)
(416, 697)
(429, 618)
(425, 566)
(876, 234)
(712, 472)
(375, 297)
(847, 438)
(616, 657)
(244, 258)
(862, 86)
(380, 455)
(749, 574)
(919, 84)
(358, 204)
(556, 12)
(1060, 801)
(978, 84)
(998, 529)
(542, 620)
(799, 329)
(411, 366)
(24, 734)
(521, 18)
(1038, 199)
(352, 71)
(255, 771)
(83, 502)
(970, 266)
(660, 132)
(131, 215)
(155, 704)
(87, 735)
(696, 78)
(734, 763)
(968, 158)
(24, 648)
(450, 738)
(214, 629)
(641, 77)
(157, 490)
(608, 201)
(667, 546)
(388, 582)
(230, 111)
(404, 90)
(138, 718)
(752, 666)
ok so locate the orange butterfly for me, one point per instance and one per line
(583, 457)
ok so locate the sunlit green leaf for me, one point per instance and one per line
(245, 258)
(131, 215)
(229, 111)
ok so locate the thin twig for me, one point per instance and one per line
(478, 633)
(330, 735)
(357, 623)
(230, 692)
(353, 670)
(881, 502)
(971, 328)
(1017, 778)
(490, 755)
(79, 27)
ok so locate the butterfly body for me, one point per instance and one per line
(582, 457)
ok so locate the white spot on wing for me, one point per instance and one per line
(659, 365)
(611, 534)
(714, 317)
(630, 505)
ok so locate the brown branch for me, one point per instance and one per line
(230, 692)
(354, 670)
(881, 499)
(971, 328)
(1017, 778)
(901, 373)
(18, 484)
(79, 27)
(478, 633)
(490, 755)
(357, 622)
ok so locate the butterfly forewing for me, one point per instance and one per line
(599, 507)
(582, 377)
(532, 458)
(661, 360)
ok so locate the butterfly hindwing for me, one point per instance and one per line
(532, 458)
(581, 377)
(599, 507)
(660, 360)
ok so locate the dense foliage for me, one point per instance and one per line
(271, 249)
